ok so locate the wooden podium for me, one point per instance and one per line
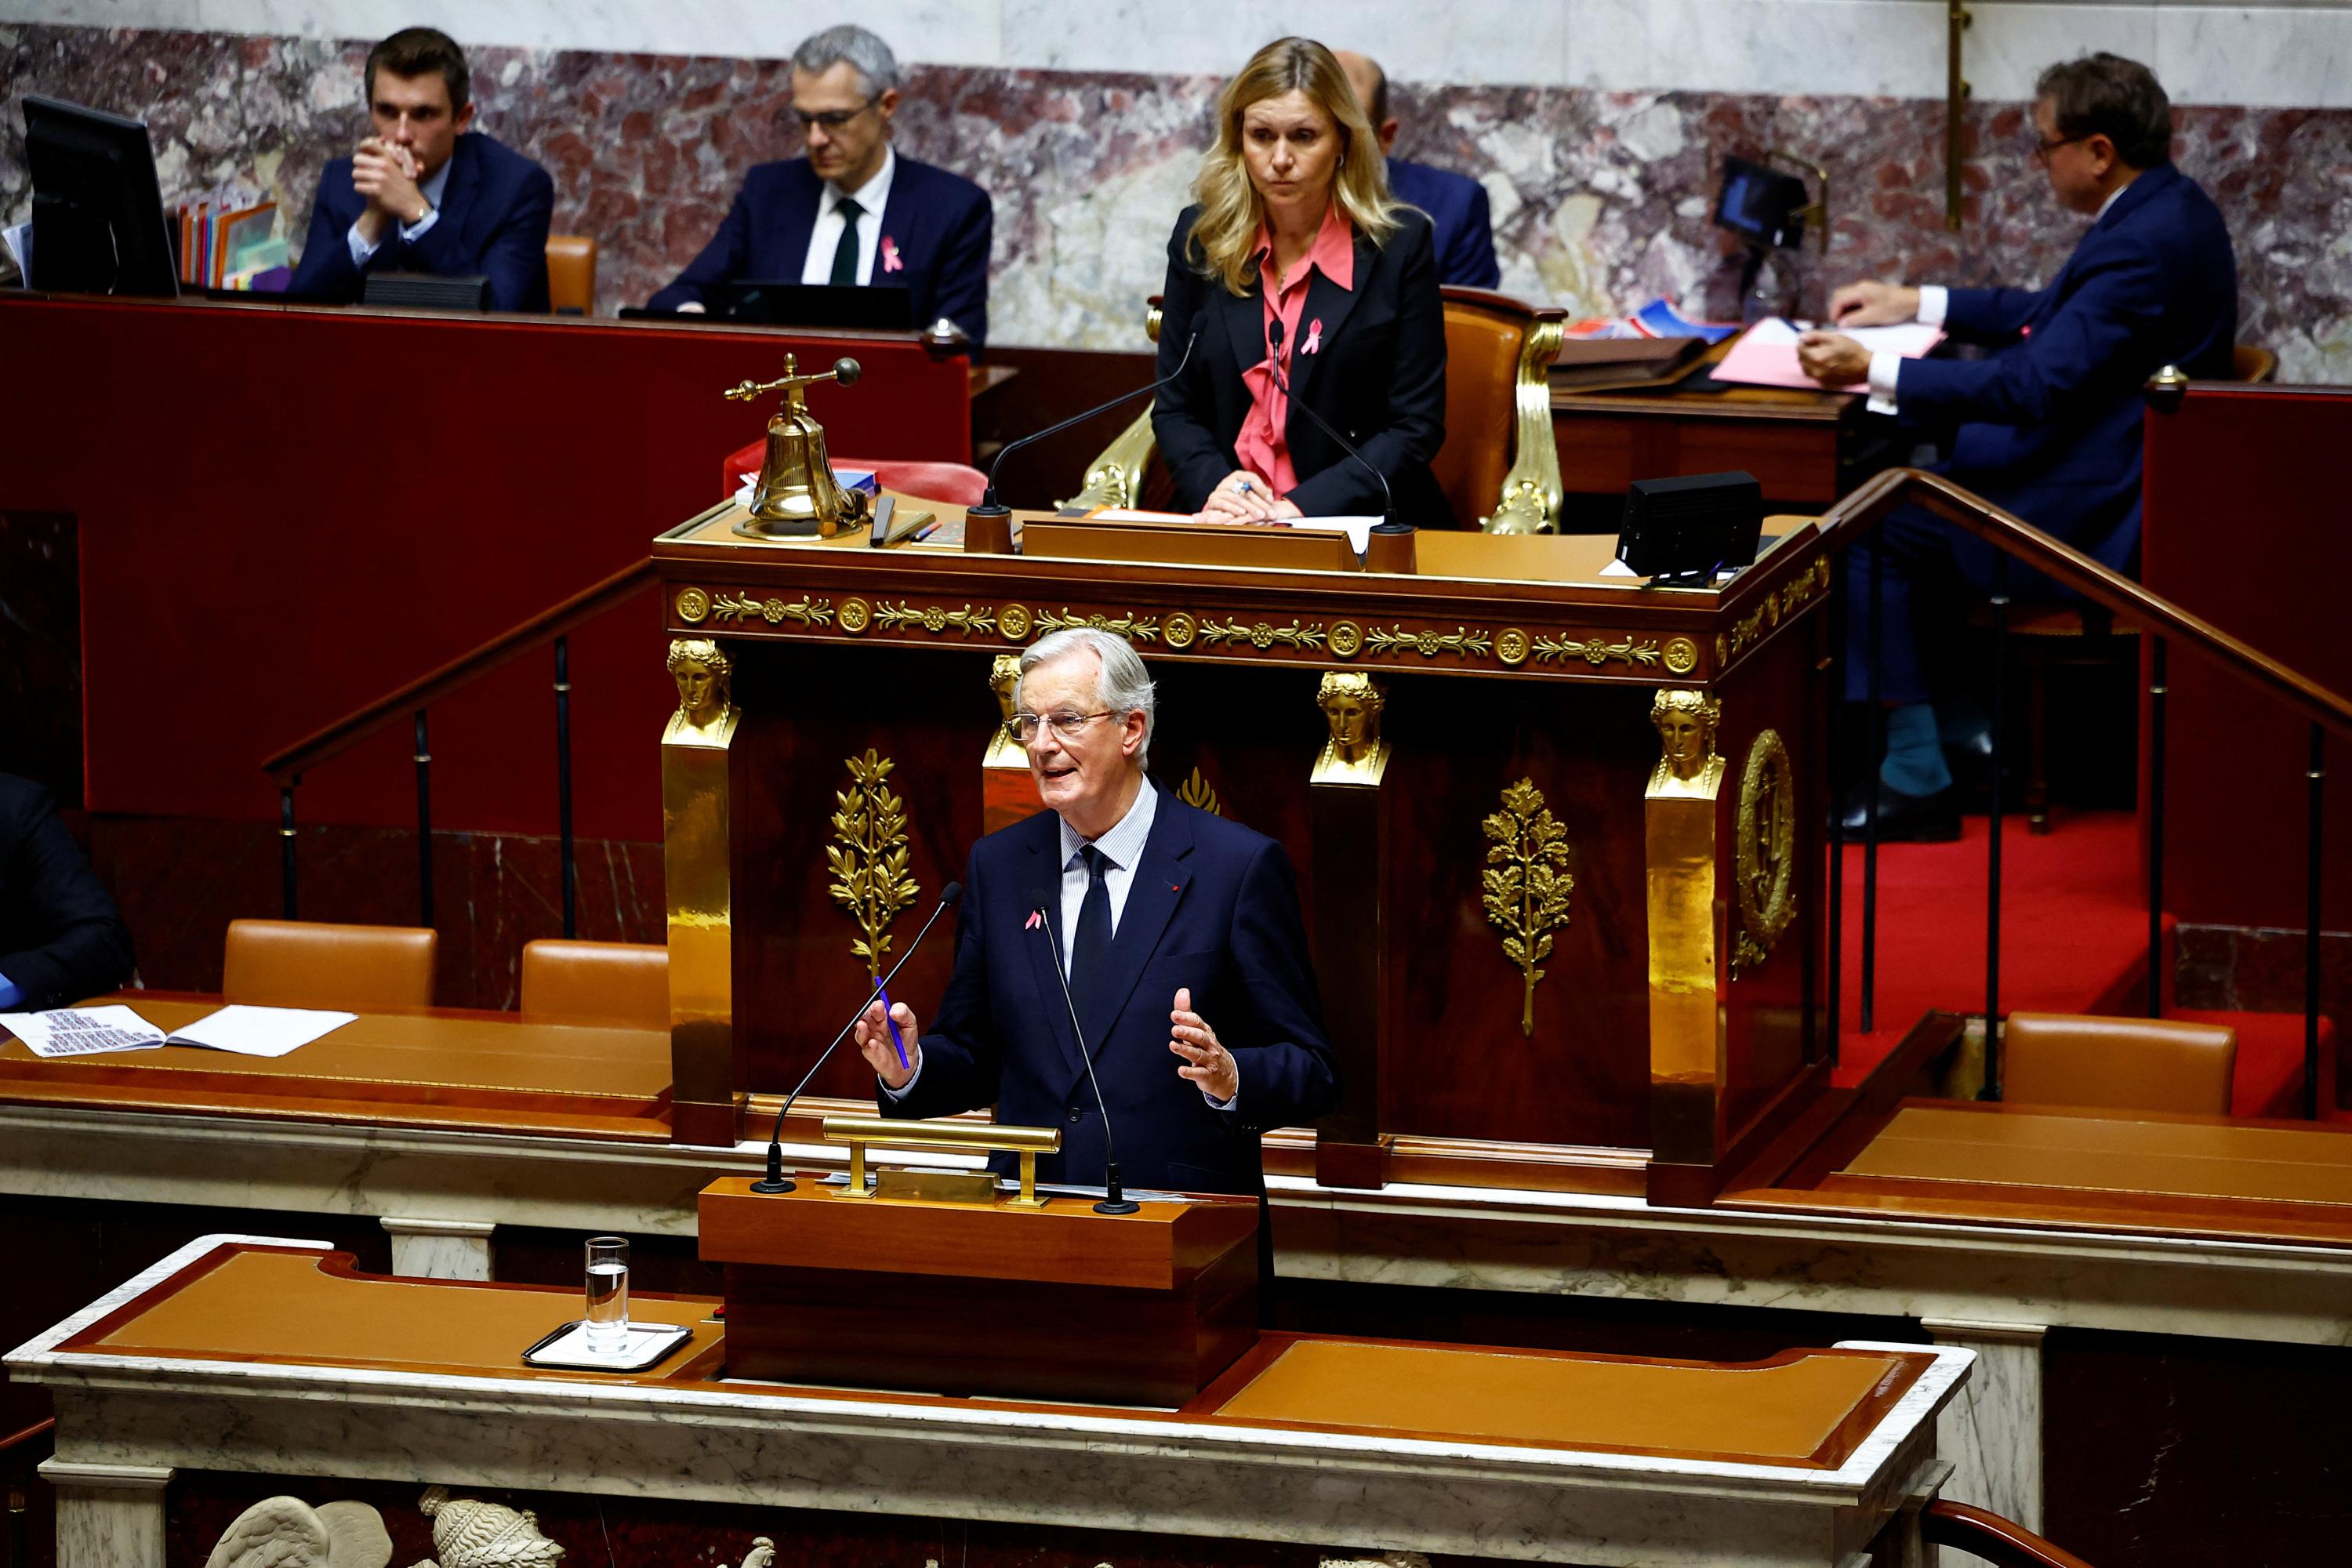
(939, 1295)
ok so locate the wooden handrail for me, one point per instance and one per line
(1998, 1541)
(2100, 584)
(545, 626)
(15, 1440)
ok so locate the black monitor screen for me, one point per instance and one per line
(781, 303)
(97, 216)
(1760, 203)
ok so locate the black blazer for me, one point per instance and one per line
(494, 219)
(62, 938)
(1378, 376)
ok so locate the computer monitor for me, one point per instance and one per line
(783, 302)
(1762, 205)
(97, 214)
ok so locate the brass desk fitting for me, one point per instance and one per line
(796, 496)
(861, 1133)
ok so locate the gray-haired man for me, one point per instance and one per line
(1178, 935)
(851, 212)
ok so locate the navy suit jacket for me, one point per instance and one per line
(2049, 423)
(62, 938)
(1457, 205)
(941, 225)
(1212, 907)
(1378, 376)
(494, 216)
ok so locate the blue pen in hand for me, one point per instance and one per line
(897, 1042)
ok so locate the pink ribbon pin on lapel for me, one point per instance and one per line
(1031, 924)
(890, 262)
(1314, 336)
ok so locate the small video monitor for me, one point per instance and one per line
(97, 214)
(1762, 205)
(1686, 530)
(776, 302)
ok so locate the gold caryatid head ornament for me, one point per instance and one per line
(1686, 721)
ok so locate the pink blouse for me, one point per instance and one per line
(1264, 445)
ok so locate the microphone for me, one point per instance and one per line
(775, 1181)
(990, 507)
(1114, 1199)
(1388, 523)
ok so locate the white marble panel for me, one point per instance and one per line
(2266, 55)
(2009, 44)
(1992, 1432)
(440, 1248)
(1475, 41)
(108, 1516)
(1873, 47)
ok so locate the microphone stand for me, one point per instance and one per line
(1114, 1199)
(995, 515)
(775, 1181)
(1388, 522)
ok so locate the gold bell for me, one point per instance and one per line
(796, 496)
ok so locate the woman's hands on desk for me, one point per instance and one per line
(1245, 497)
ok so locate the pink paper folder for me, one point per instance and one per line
(1766, 354)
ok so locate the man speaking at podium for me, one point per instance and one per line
(1178, 935)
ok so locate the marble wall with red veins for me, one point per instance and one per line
(1600, 198)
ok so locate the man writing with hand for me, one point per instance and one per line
(424, 192)
(1177, 934)
(2048, 423)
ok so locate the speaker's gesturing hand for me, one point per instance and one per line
(873, 1035)
(1210, 1064)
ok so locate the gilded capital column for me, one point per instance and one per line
(1350, 815)
(698, 877)
(1685, 1020)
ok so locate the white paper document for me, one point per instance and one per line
(245, 1030)
(1359, 529)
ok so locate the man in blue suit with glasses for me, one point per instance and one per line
(851, 213)
(2047, 423)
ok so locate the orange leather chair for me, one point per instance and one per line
(623, 983)
(572, 274)
(311, 964)
(2118, 1064)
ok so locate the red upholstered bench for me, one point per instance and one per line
(2268, 1082)
(959, 483)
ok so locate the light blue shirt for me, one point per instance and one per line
(431, 186)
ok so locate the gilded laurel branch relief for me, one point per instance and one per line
(869, 855)
(1526, 885)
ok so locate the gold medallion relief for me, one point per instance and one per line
(1766, 857)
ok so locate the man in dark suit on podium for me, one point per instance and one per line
(426, 194)
(62, 938)
(1456, 204)
(1178, 935)
(2048, 423)
(851, 212)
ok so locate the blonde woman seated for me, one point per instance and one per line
(1304, 280)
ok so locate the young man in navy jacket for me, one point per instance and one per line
(2048, 423)
(424, 192)
(851, 212)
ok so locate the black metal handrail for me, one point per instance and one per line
(2013, 537)
(553, 625)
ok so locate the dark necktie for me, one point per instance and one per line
(845, 255)
(1090, 944)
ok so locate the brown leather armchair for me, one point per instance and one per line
(314, 963)
(572, 274)
(1499, 465)
(620, 984)
(2118, 1064)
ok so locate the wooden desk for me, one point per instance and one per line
(1790, 440)
(1543, 1457)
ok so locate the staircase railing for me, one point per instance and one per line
(1995, 1539)
(2013, 538)
(552, 625)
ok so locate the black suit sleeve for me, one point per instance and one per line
(963, 1057)
(1184, 416)
(326, 273)
(1415, 426)
(1289, 1074)
(721, 260)
(963, 270)
(75, 943)
(515, 259)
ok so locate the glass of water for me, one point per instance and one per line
(608, 1294)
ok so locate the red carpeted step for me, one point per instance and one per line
(2269, 1076)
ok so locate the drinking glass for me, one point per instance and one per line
(608, 1294)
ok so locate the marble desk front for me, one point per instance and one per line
(260, 1355)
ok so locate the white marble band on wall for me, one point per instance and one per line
(2277, 56)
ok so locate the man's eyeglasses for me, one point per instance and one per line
(831, 119)
(1023, 727)
(2045, 146)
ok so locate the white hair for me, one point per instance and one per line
(1121, 685)
(868, 55)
